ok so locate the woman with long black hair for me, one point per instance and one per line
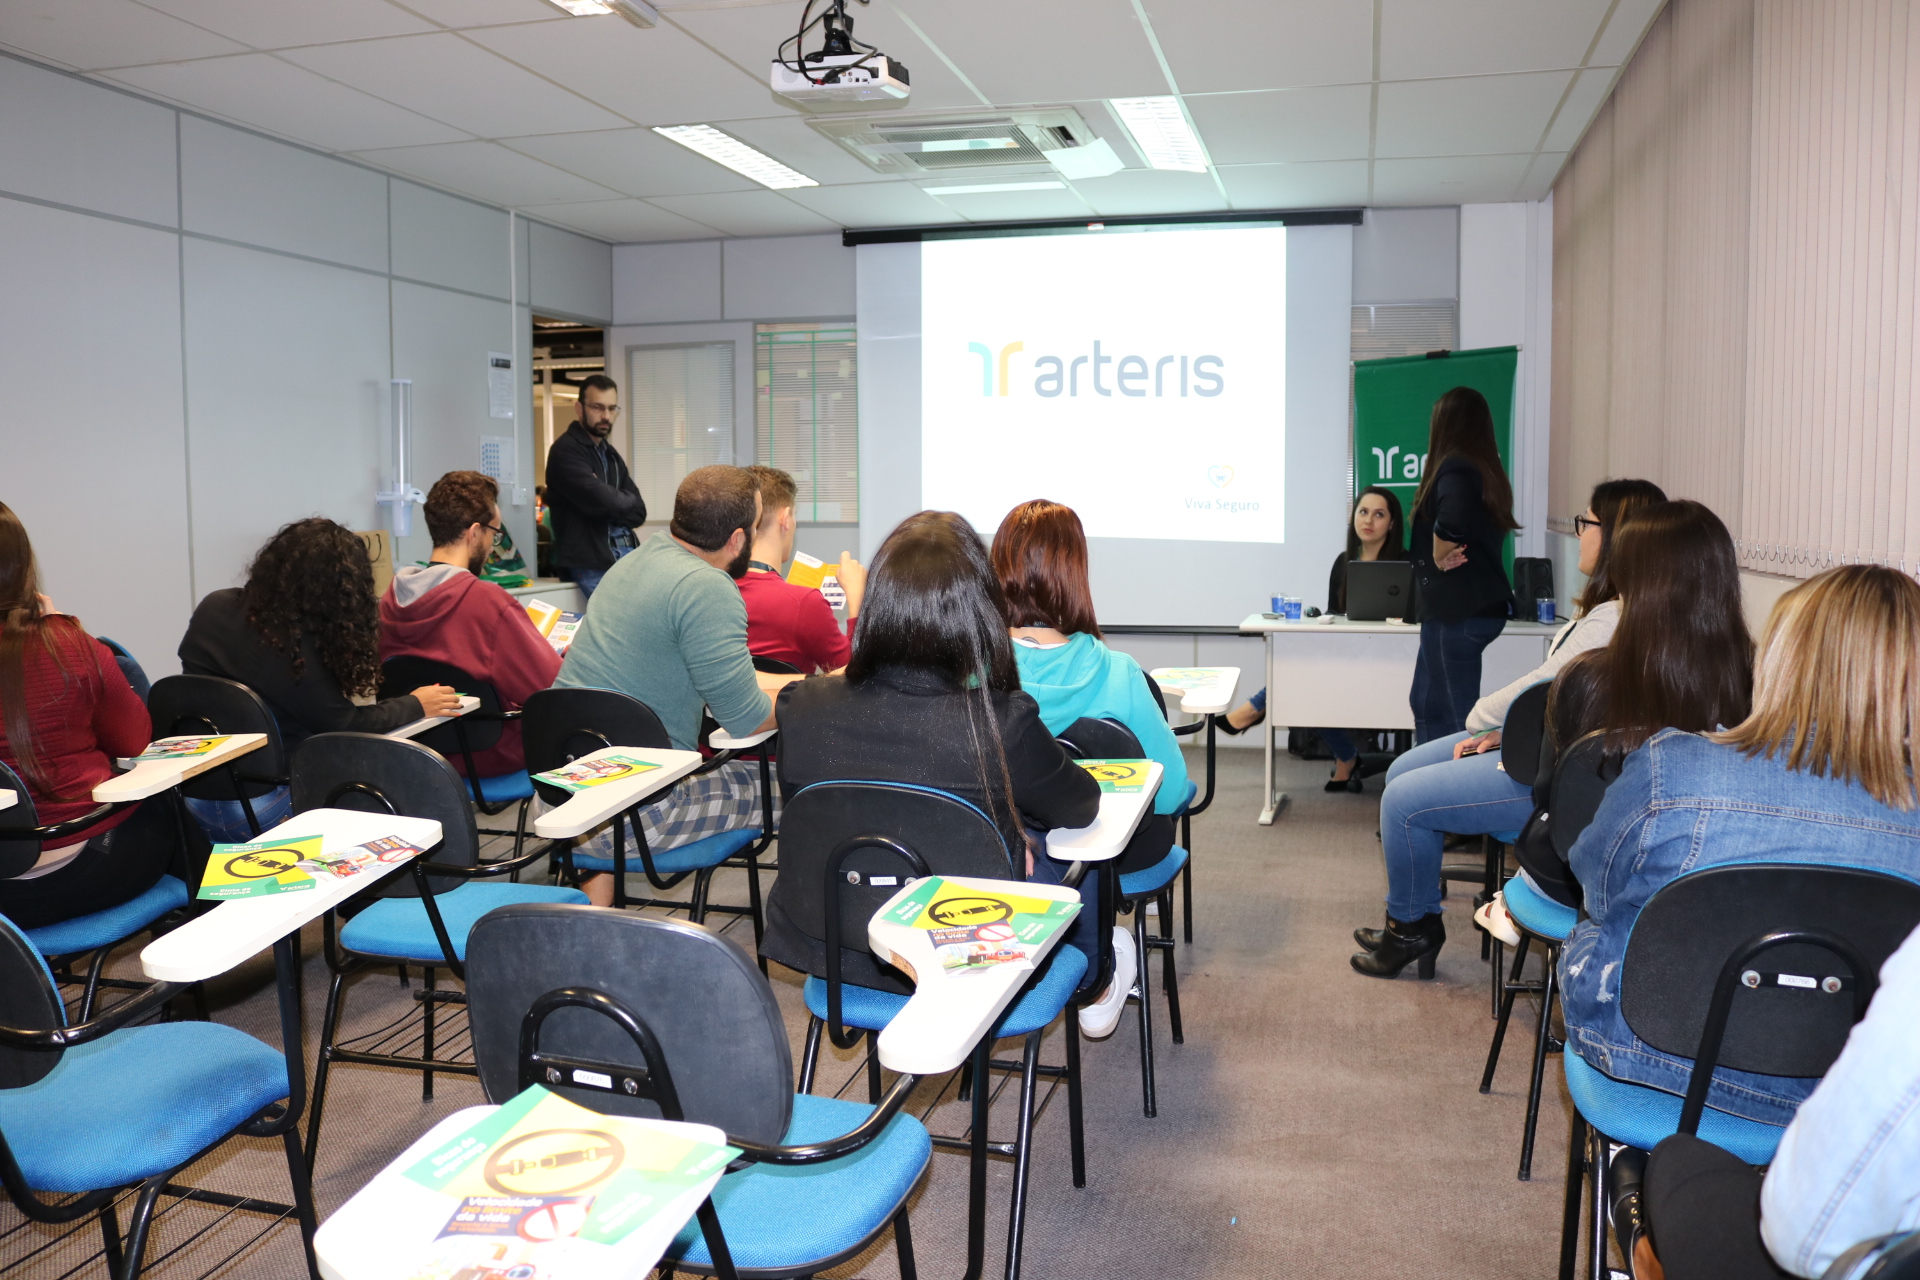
(1462, 514)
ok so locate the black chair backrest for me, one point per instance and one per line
(950, 836)
(28, 1002)
(713, 1012)
(476, 731)
(774, 667)
(129, 667)
(368, 772)
(1523, 737)
(1159, 698)
(1581, 777)
(208, 704)
(19, 849)
(558, 725)
(1692, 925)
(1090, 739)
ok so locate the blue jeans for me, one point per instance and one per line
(1429, 793)
(1085, 933)
(1446, 678)
(1338, 741)
(588, 580)
(225, 821)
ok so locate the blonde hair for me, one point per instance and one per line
(1837, 686)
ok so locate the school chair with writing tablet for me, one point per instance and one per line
(420, 916)
(680, 1025)
(181, 705)
(458, 739)
(1188, 810)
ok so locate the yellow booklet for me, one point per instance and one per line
(1125, 776)
(256, 870)
(180, 748)
(806, 571)
(543, 616)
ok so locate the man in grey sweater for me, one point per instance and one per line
(667, 627)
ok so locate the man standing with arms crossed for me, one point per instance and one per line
(595, 504)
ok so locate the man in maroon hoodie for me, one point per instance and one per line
(440, 610)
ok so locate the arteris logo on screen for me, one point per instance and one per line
(1074, 375)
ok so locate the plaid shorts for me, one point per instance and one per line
(695, 808)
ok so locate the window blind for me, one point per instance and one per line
(680, 414)
(806, 414)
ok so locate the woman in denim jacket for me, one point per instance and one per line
(1818, 773)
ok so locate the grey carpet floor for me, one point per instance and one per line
(1315, 1123)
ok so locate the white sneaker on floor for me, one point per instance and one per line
(1494, 919)
(1098, 1019)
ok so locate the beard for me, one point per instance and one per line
(737, 567)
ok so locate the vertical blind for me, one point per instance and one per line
(680, 413)
(807, 417)
(1735, 248)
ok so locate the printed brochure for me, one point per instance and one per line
(257, 870)
(974, 929)
(181, 748)
(1186, 677)
(596, 772)
(556, 624)
(361, 858)
(1124, 776)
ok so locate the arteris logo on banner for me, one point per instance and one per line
(1131, 375)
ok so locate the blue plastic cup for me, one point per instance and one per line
(1543, 609)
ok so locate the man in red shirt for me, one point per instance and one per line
(440, 610)
(793, 624)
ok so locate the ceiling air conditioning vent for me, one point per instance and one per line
(944, 144)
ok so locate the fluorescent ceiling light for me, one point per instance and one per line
(987, 188)
(736, 155)
(638, 12)
(1160, 129)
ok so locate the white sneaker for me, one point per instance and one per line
(1098, 1019)
(1494, 919)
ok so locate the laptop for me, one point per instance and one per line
(1378, 590)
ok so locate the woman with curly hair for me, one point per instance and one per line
(304, 634)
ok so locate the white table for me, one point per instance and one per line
(949, 1012)
(415, 728)
(7, 798)
(1329, 672)
(589, 808)
(1215, 697)
(389, 1223)
(150, 777)
(1121, 813)
(241, 928)
(721, 740)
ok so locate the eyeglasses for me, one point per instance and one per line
(497, 531)
(611, 410)
(1583, 523)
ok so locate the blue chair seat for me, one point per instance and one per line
(104, 928)
(798, 1219)
(506, 786)
(1151, 880)
(709, 851)
(872, 1010)
(137, 1102)
(1504, 837)
(399, 927)
(1642, 1117)
(1193, 789)
(1537, 913)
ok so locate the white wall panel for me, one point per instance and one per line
(241, 186)
(787, 278)
(443, 239)
(571, 275)
(93, 460)
(666, 283)
(65, 140)
(287, 368)
(1407, 255)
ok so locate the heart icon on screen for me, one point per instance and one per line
(1220, 476)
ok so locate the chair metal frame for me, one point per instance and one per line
(1187, 815)
(487, 712)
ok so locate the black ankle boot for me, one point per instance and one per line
(1405, 943)
(1371, 938)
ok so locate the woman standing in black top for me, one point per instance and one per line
(1462, 514)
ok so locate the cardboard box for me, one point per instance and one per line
(380, 551)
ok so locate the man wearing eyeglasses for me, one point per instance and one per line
(444, 611)
(595, 504)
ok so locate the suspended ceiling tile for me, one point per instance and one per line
(1419, 38)
(1540, 175)
(448, 79)
(636, 161)
(265, 93)
(1019, 206)
(747, 213)
(622, 221)
(1052, 51)
(874, 204)
(1441, 180)
(1272, 45)
(794, 143)
(1622, 36)
(488, 172)
(88, 34)
(749, 34)
(1476, 115)
(1151, 191)
(1576, 113)
(1316, 185)
(1284, 125)
(657, 75)
(462, 14)
(277, 26)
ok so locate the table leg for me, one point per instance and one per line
(1272, 801)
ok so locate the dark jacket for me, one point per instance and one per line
(589, 492)
(221, 642)
(1456, 511)
(1337, 580)
(905, 726)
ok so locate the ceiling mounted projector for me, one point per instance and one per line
(843, 71)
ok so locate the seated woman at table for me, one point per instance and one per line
(304, 634)
(66, 713)
(1819, 773)
(1659, 561)
(931, 697)
(1374, 532)
(1040, 558)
